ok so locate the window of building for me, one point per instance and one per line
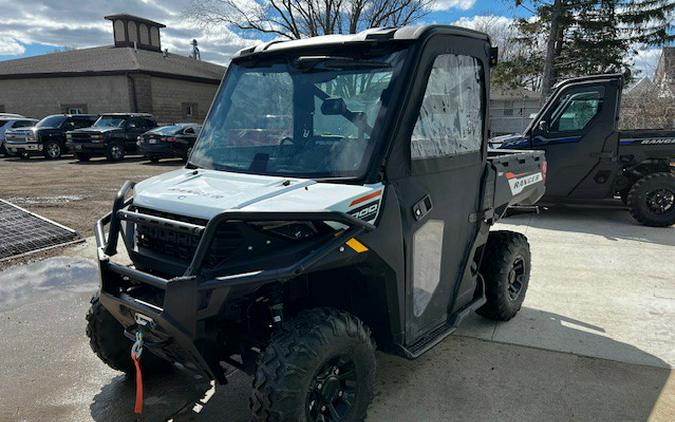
(576, 110)
(2, 108)
(189, 110)
(508, 108)
(450, 119)
(73, 108)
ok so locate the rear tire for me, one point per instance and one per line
(651, 200)
(153, 159)
(322, 359)
(107, 340)
(506, 270)
(114, 151)
(82, 157)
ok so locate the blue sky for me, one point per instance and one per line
(33, 27)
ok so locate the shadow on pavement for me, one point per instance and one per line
(461, 379)
(607, 219)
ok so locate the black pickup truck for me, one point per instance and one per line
(113, 135)
(47, 137)
(589, 158)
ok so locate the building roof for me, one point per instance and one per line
(110, 60)
(127, 16)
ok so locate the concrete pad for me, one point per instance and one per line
(601, 286)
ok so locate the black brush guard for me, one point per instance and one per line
(176, 333)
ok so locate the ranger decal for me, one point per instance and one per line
(518, 182)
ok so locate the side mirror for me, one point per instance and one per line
(543, 126)
(334, 107)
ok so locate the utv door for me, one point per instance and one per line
(578, 132)
(441, 141)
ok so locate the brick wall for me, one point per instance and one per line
(38, 97)
(170, 96)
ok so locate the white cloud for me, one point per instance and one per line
(10, 47)
(439, 5)
(58, 23)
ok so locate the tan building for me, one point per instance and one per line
(510, 109)
(133, 75)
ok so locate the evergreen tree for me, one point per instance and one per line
(568, 38)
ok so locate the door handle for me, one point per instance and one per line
(422, 207)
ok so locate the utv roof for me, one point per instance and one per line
(405, 33)
(589, 78)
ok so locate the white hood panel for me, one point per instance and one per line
(210, 192)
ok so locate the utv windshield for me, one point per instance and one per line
(307, 116)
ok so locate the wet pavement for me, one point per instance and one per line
(508, 372)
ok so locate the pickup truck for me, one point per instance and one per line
(367, 220)
(113, 136)
(589, 158)
(48, 137)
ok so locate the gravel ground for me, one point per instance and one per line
(69, 192)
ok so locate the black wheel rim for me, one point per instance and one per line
(332, 392)
(53, 150)
(660, 201)
(516, 277)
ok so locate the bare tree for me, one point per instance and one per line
(295, 19)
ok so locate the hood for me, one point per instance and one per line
(512, 141)
(97, 130)
(23, 130)
(210, 192)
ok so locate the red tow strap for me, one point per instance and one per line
(138, 407)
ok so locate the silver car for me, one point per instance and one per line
(12, 122)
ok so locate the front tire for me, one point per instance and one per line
(651, 200)
(506, 270)
(107, 340)
(52, 150)
(320, 366)
(114, 151)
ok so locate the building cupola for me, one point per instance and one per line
(134, 31)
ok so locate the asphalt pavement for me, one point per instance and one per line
(594, 341)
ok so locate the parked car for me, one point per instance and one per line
(169, 141)
(589, 158)
(47, 137)
(112, 136)
(9, 122)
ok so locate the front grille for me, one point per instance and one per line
(79, 137)
(18, 137)
(181, 246)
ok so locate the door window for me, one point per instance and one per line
(450, 120)
(576, 110)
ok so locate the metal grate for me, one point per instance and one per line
(23, 232)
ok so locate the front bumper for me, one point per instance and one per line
(18, 148)
(185, 303)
